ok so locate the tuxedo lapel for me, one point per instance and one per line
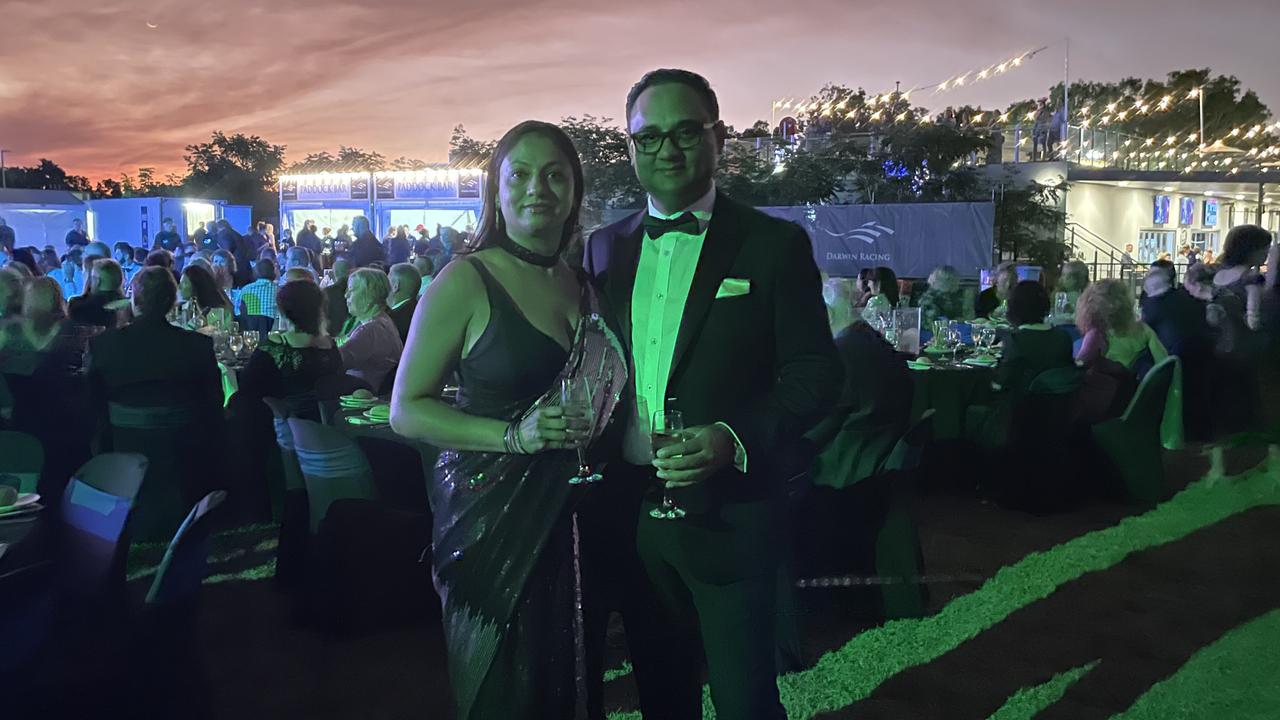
(724, 240)
(620, 276)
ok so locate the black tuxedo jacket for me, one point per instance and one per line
(763, 362)
(150, 362)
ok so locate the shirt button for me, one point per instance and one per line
(661, 296)
(653, 341)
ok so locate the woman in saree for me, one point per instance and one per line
(513, 320)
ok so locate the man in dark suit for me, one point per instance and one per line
(721, 309)
(151, 382)
(308, 239)
(335, 299)
(366, 250)
(151, 362)
(403, 300)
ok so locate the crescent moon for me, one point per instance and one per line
(153, 27)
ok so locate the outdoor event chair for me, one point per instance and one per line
(362, 557)
(95, 509)
(180, 573)
(333, 468)
(868, 530)
(288, 497)
(178, 471)
(165, 649)
(21, 461)
(1131, 442)
(898, 556)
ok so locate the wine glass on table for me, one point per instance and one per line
(235, 343)
(667, 429)
(250, 340)
(575, 402)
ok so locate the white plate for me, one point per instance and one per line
(23, 500)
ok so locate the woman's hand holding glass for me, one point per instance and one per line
(551, 428)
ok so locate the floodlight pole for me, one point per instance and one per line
(4, 180)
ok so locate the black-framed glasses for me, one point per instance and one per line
(686, 136)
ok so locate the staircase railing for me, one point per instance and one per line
(1103, 259)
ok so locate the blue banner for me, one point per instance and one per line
(912, 238)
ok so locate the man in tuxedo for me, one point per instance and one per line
(720, 307)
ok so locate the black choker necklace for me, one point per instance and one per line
(523, 253)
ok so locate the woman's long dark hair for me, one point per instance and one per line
(489, 230)
(208, 295)
(888, 282)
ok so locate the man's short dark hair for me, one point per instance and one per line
(154, 290)
(167, 220)
(140, 255)
(1166, 267)
(670, 76)
(122, 245)
(159, 258)
(265, 270)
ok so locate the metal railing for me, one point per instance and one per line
(1021, 143)
(1102, 258)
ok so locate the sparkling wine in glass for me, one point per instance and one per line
(575, 401)
(667, 429)
(235, 343)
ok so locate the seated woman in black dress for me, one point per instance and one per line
(288, 365)
(40, 358)
(1034, 346)
(103, 301)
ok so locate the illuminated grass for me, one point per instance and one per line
(850, 673)
(1237, 677)
(1028, 702)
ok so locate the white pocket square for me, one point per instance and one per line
(733, 287)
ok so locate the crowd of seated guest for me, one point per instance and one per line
(372, 347)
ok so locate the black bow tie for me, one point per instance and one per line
(657, 227)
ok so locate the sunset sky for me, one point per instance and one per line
(90, 85)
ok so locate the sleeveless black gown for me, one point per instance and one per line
(504, 535)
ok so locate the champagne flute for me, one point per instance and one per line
(250, 340)
(236, 344)
(575, 401)
(667, 429)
